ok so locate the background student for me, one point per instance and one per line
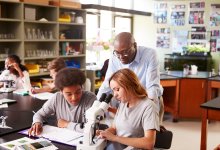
(69, 104)
(142, 60)
(54, 66)
(136, 120)
(17, 72)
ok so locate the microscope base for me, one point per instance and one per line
(99, 145)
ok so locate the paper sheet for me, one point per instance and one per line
(43, 96)
(6, 100)
(61, 135)
(4, 105)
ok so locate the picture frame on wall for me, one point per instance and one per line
(197, 12)
(160, 13)
(215, 15)
(177, 17)
(163, 38)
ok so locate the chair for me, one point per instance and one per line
(163, 138)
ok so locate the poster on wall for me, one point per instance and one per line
(218, 45)
(215, 35)
(160, 13)
(177, 17)
(163, 38)
(196, 13)
(215, 15)
(179, 40)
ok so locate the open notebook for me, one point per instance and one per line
(60, 135)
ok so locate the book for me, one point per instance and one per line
(60, 135)
(26, 143)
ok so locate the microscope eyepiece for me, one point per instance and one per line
(103, 97)
(108, 98)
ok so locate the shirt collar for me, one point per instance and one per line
(137, 57)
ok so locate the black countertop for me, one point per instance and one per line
(179, 74)
(212, 104)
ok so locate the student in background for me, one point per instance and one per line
(54, 66)
(17, 72)
(69, 104)
(136, 120)
(142, 60)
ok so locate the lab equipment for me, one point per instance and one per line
(93, 116)
(8, 83)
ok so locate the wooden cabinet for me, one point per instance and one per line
(192, 95)
(36, 34)
(171, 96)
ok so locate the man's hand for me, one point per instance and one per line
(35, 129)
(62, 123)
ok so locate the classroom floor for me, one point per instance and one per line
(187, 133)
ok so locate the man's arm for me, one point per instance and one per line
(153, 77)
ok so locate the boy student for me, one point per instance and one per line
(69, 104)
(54, 66)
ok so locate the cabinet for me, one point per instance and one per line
(95, 78)
(192, 95)
(36, 34)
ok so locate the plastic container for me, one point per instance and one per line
(33, 68)
(72, 64)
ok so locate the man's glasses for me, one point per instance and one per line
(123, 53)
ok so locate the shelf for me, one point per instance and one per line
(40, 57)
(40, 22)
(69, 23)
(10, 20)
(10, 40)
(45, 40)
(70, 56)
(22, 32)
(72, 40)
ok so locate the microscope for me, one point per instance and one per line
(8, 83)
(3, 124)
(93, 116)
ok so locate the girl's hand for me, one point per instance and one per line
(108, 135)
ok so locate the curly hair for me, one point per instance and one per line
(69, 77)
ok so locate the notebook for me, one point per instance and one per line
(60, 135)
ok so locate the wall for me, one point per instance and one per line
(145, 30)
